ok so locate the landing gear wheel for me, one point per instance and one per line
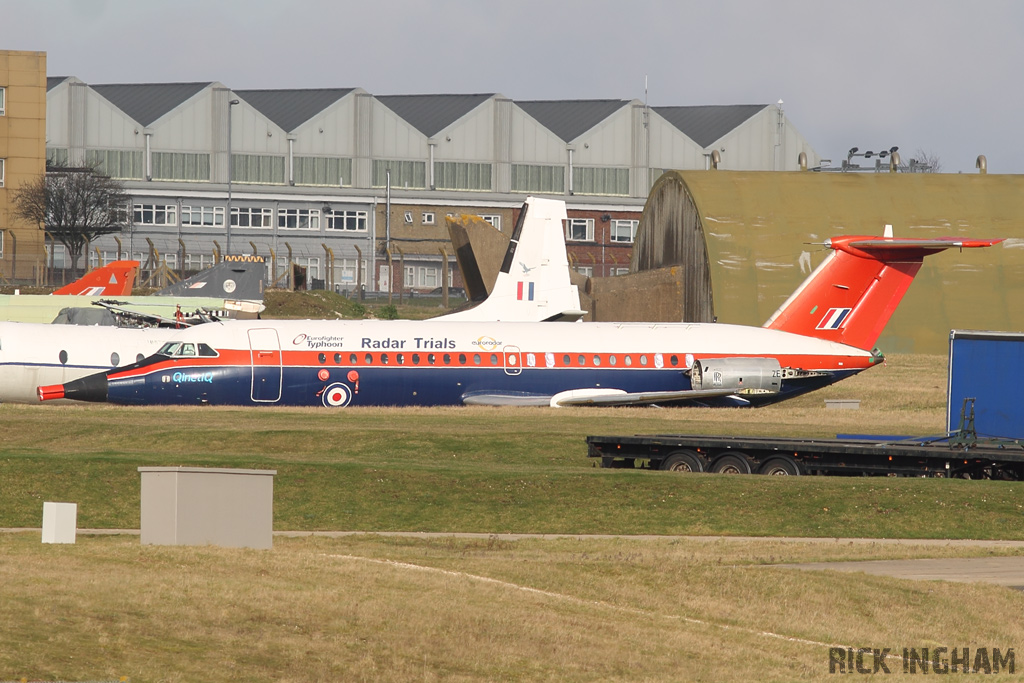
(683, 461)
(780, 467)
(733, 463)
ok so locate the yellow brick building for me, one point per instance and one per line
(22, 159)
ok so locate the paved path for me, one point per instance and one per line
(1003, 571)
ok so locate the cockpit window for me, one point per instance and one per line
(169, 349)
(187, 350)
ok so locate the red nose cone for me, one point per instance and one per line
(51, 393)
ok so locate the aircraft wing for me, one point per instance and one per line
(594, 397)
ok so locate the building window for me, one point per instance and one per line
(592, 180)
(458, 175)
(623, 231)
(493, 219)
(56, 156)
(203, 216)
(410, 277)
(250, 217)
(579, 230)
(257, 168)
(198, 261)
(298, 219)
(620, 271)
(181, 166)
(3, 101)
(1, 172)
(585, 270)
(323, 171)
(428, 277)
(351, 221)
(1, 244)
(526, 178)
(116, 163)
(156, 214)
(407, 174)
(347, 268)
(408, 217)
(427, 218)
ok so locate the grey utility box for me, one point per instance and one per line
(207, 506)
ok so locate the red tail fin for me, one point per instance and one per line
(113, 279)
(851, 296)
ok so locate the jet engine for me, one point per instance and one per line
(743, 375)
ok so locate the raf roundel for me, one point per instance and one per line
(337, 396)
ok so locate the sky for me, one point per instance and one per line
(939, 78)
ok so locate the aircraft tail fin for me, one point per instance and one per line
(238, 278)
(851, 296)
(114, 279)
(533, 283)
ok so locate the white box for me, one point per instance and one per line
(60, 522)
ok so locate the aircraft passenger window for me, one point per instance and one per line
(531, 360)
(611, 360)
(138, 357)
(549, 360)
(628, 360)
(415, 359)
(597, 360)
(322, 357)
(447, 359)
(659, 362)
(401, 358)
(431, 358)
(476, 359)
(673, 359)
(206, 351)
(63, 356)
(369, 359)
(582, 360)
(643, 360)
(353, 359)
(565, 360)
(337, 359)
(462, 359)
(494, 359)
(384, 358)
(115, 359)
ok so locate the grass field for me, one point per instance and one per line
(382, 608)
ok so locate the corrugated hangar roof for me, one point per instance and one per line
(568, 119)
(706, 124)
(430, 114)
(146, 102)
(289, 109)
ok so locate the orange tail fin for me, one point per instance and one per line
(113, 279)
(851, 296)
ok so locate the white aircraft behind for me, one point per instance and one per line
(32, 355)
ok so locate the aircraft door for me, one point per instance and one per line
(265, 350)
(513, 360)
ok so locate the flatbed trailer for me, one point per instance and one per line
(957, 455)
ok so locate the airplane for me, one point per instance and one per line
(533, 282)
(31, 355)
(233, 287)
(822, 334)
(114, 279)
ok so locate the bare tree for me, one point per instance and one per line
(74, 205)
(925, 162)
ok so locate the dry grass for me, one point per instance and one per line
(372, 608)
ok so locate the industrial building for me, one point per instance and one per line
(311, 172)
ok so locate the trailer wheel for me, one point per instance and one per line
(780, 467)
(683, 461)
(731, 463)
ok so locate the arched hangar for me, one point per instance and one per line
(746, 240)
